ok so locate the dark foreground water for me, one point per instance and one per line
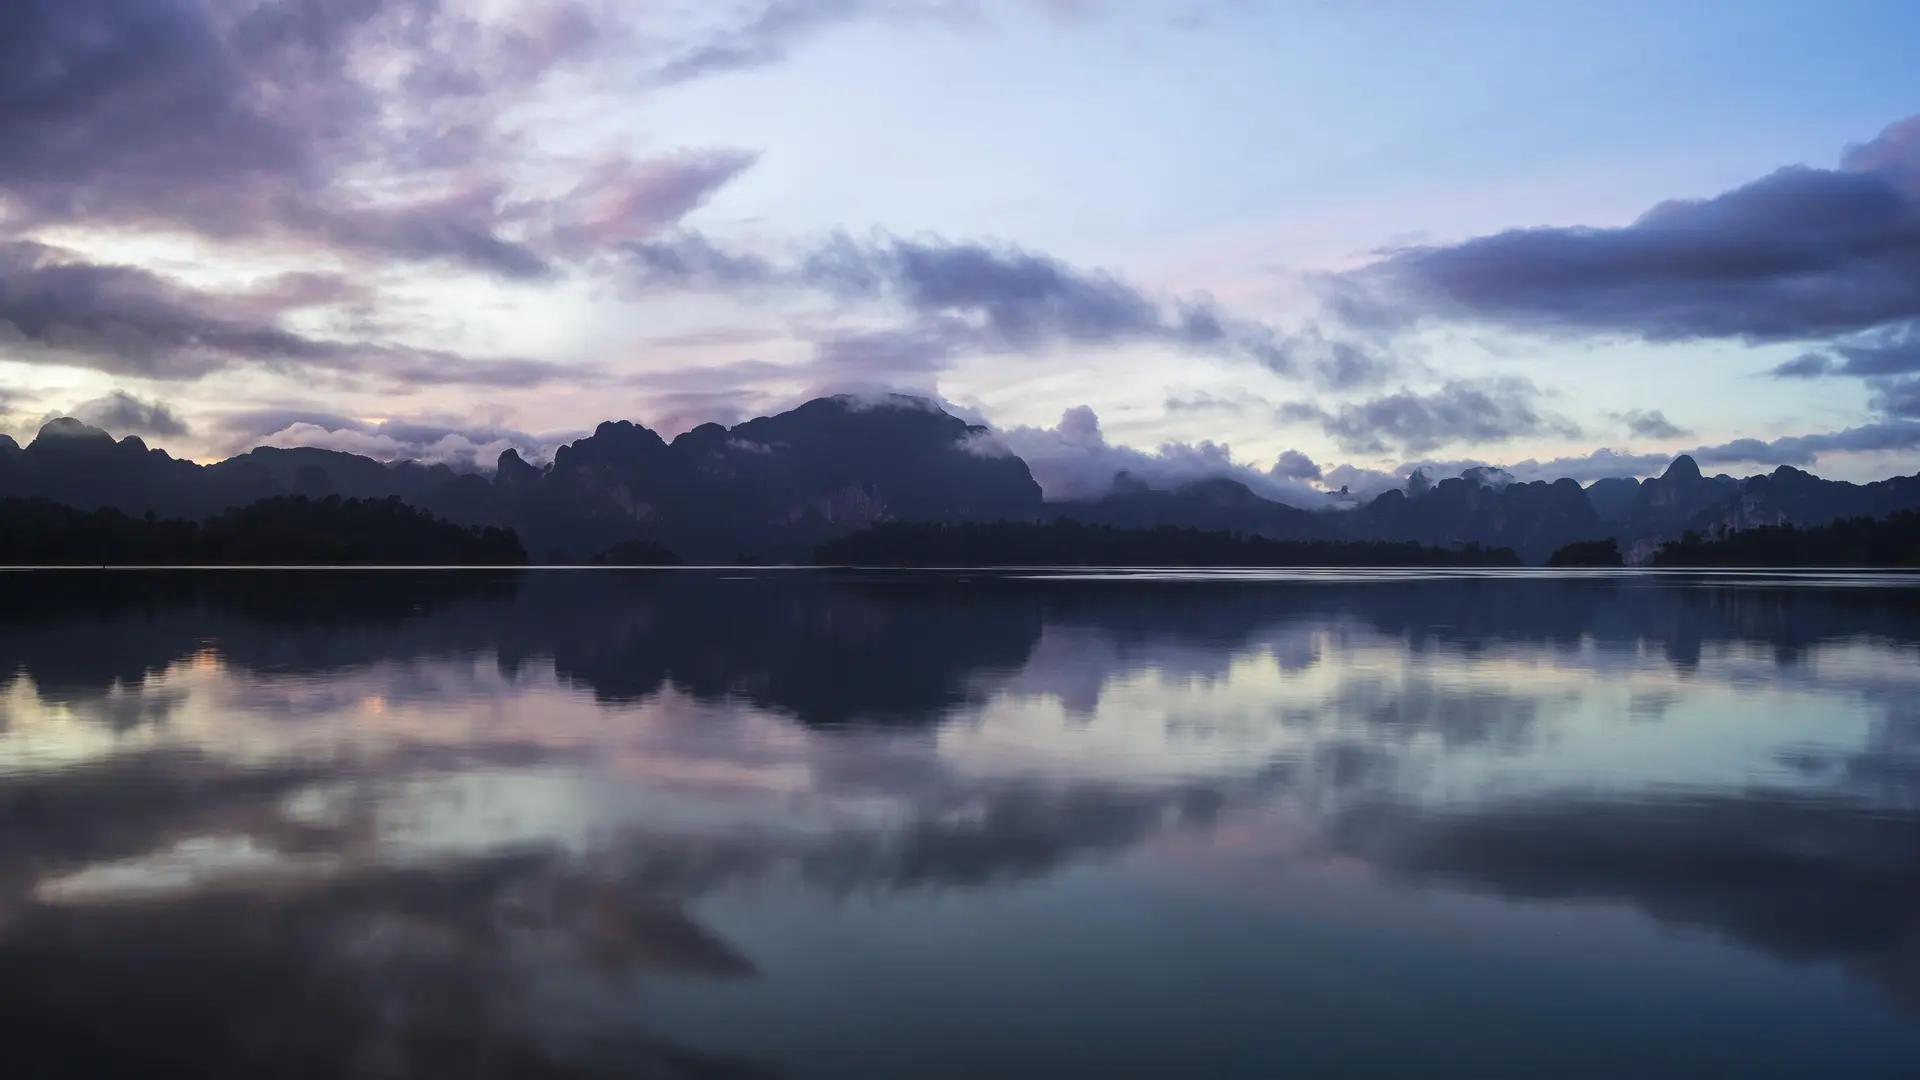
(818, 824)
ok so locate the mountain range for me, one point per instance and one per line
(773, 488)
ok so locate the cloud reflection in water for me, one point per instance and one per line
(585, 822)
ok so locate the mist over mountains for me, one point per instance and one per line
(773, 488)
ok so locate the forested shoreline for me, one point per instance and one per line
(284, 530)
(1072, 543)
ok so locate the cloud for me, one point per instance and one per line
(1294, 465)
(1805, 366)
(1898, 397)
(765, 38)
(121, 413)
(1650, 424)
(1796, 450)
(1803, 876)
(474, 449)
(1462, 410)
(1365, 483)
(623, 202)
(213, 117)
(688, 260)
(1802, 253)
(1346, 365)
(1000, 298)
(774, 28)
(1238, 401)
(1022, 300)
(1074, 461)
(1805, 449)
(128, 321)
(1895, 353)
(899, 358)
(1891, 352)
(674, 411)
(428, 439)
(370, 128)
(1893, 154)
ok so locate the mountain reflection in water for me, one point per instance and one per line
(816, 823)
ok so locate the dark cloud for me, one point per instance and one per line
(1480, 411)
(1805, 366)
(1897, 397)
(689, 260)
(1024, 300)
(122, 413)
(765, 38)
(367, 127)
(460, 225)
(1294, 465)
(126, 320)
(219, 118)
(1892, 352)
(771, 30)
(1805, 449)
(1802, 253)
(307, 289)
(1895, 353)
(1650, 424)
(1000, 298)
(129, 321)
(438, 367)
(1347, 365)
(106, 99)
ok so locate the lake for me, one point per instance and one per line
(821, 823)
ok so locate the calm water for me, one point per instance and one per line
(817, 824)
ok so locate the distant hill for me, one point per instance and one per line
(767, 490)
(1532, 519)
(1074, 543)
(775, 488)
(1218, 504)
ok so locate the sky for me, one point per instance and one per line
(1304, 244)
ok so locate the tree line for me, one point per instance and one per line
(1892, 541)
(1072, 543)
(284, 530)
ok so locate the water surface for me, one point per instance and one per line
(815, 823)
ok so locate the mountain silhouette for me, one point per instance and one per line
(1533, 519)
(768, 489)
(1218, 504)
(774, 488)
